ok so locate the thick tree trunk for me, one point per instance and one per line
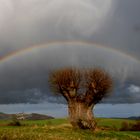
(81, 115)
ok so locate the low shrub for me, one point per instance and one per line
(136, 126)
(14, 122)
(125, 126)
(130, 127)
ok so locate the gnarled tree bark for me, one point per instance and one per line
(81, 115)
(82, 90)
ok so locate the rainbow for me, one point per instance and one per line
(85, 43)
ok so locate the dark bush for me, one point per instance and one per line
(125, 126)
(14, 122)
(136, 126)
(130, 127)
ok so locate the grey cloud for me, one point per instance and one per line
(24, 78)
(31, 22)
(134, 89)
(121, 30)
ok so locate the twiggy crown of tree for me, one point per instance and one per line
(81, 84)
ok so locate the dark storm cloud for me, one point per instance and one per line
(25, 76)
(25, 23)
(122, 27)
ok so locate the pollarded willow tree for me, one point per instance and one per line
(82, 89)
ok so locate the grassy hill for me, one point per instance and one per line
(60, 129)
(32, 116)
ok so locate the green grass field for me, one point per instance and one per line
(60, 129)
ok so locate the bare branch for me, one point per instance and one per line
(98, 84)
(88, 86)
(65, 82)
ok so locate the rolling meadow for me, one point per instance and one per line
(61, 129)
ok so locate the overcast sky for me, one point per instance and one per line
(114, 24)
